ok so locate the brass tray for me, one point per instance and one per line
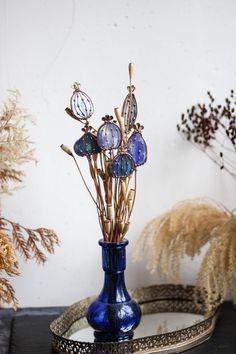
(71, 332)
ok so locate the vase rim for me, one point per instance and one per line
(124, 242)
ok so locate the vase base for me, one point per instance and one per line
(112, 337)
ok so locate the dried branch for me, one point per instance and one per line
(26, 240)
(7, 293)
(15, 147)
(211, 128)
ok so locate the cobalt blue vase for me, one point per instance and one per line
(113, 315)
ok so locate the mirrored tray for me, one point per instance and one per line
(171, 323)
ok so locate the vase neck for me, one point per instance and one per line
(114, 264)
(113, 256)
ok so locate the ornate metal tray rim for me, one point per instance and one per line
(153, 299)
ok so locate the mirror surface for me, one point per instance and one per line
(151, 324)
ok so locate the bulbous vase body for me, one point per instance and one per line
(113, 315)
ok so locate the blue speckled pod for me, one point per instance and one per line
(81, 105)
(122, 165)
(137, 148)
(87, 145)
(130, 110)
(109, 136)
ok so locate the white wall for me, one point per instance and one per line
(180, 50)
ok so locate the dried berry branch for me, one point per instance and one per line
(211, 128)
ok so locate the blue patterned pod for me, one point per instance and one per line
(81, 105)
(109, 136)
(122, 165)
(87, 145)
(130, 110)
(137, 148)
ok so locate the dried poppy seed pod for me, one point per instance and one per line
(109, 135)
(81, 104)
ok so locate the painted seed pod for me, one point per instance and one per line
(122, 165)
(130, 110)
(81, 105)
(137, 148)
(87, 145)
(109, 136)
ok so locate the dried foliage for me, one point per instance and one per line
(29, 242)
(211, 127)
(7, 293)
(15, 149)
(7, 254)
(184, 230)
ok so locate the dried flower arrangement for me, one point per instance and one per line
(113, 152)
(191, 224)
(15, 150)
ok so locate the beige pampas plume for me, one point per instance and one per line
(184, 230)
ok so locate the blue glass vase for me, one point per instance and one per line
(113, 315)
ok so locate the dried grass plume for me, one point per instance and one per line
(184, 230)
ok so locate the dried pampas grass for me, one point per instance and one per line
(184, 230)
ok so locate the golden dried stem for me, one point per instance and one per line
(121, 122)
(123, 188)
(130, 200)
(107, 225)
(120, 226)
(126, 228)
(131, 71)
(81, 175)
(110, 212)
(101, 174)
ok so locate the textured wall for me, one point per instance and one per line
(180, 49)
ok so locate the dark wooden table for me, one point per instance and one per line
(27, 332)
